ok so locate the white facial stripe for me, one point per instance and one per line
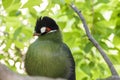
(43, 29)
(52, 31)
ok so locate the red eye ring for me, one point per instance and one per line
(48, 29)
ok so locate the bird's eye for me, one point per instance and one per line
(43, 30)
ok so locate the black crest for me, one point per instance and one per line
(45, 22)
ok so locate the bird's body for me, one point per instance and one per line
(48, 56)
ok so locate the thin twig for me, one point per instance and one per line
(94, 42)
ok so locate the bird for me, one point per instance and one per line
(48, 55)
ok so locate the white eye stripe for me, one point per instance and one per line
(52, 31)
(43, 29)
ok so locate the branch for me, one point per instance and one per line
(94, 42)
(7, 74)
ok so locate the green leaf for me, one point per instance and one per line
(86, 69)
(116, 41)
(6, 3)
(103, 1)
(14, 13)
(33, 12)
(8, 44)
(85, 78)
(98, 17)
(11, 6)
(62, 2)
(19, 44)
(17, 32)
(104, 45)
(12, 21)
(69, 1)
(32, 3)
(1, 56)
(117, 27)
(88, 47)
(25, 34)
(91, 64)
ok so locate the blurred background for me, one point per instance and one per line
(17, 22)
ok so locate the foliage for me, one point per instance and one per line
(17, 21)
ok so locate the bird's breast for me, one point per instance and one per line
(46, 58)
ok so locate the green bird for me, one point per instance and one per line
(49, 56)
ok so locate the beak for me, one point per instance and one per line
(36, 34)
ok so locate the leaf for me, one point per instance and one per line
(33, 12)
(6, 3)
(8, 44)
(103, 1)
(61, 2)
(32, 3)
(86, 69)
(69, 1)
(85, 78)
(25, 34)
(12, 21)
(97, 17)
(91, 64)
(116, 41)
(88, 47)
(104, 45)
(17, 32)
(14, 13)
(14, 5)
(117, 28)
(19, 44)
(1, 56)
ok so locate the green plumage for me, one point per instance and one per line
(48, 56)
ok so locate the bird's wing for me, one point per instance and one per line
(71, 74)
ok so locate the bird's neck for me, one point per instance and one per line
(53, 36)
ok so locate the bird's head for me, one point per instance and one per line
(45, 25)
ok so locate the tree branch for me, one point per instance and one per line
(7, 74)
(94, 42)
